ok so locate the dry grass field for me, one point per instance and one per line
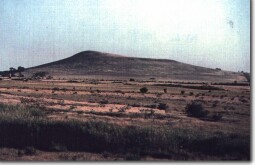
(90, 119)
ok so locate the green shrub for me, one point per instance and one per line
(144, 90)
(195, 109)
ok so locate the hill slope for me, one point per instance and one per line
(92, 64)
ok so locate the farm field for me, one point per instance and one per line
(154, 81)
(93, 119)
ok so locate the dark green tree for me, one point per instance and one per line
(12, 71)
(20, 70)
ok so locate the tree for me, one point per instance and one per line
(12, 71)
(21, 69)
(5, 73)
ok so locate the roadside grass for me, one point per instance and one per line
(21, 127)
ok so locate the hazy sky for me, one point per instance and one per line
(210, 33)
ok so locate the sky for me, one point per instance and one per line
(209, 33)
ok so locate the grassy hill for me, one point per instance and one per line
(92, 64)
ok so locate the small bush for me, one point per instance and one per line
(195, 109)
(131, 79)
(191, 93)
(144, 90)
(182, 92)
(39, 75)
(165, 90)
(163, 106)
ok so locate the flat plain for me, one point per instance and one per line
(92, 119)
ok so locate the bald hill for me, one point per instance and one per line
(92, 64)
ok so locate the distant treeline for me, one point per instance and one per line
(12, 71)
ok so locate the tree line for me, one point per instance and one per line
(13, 71)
